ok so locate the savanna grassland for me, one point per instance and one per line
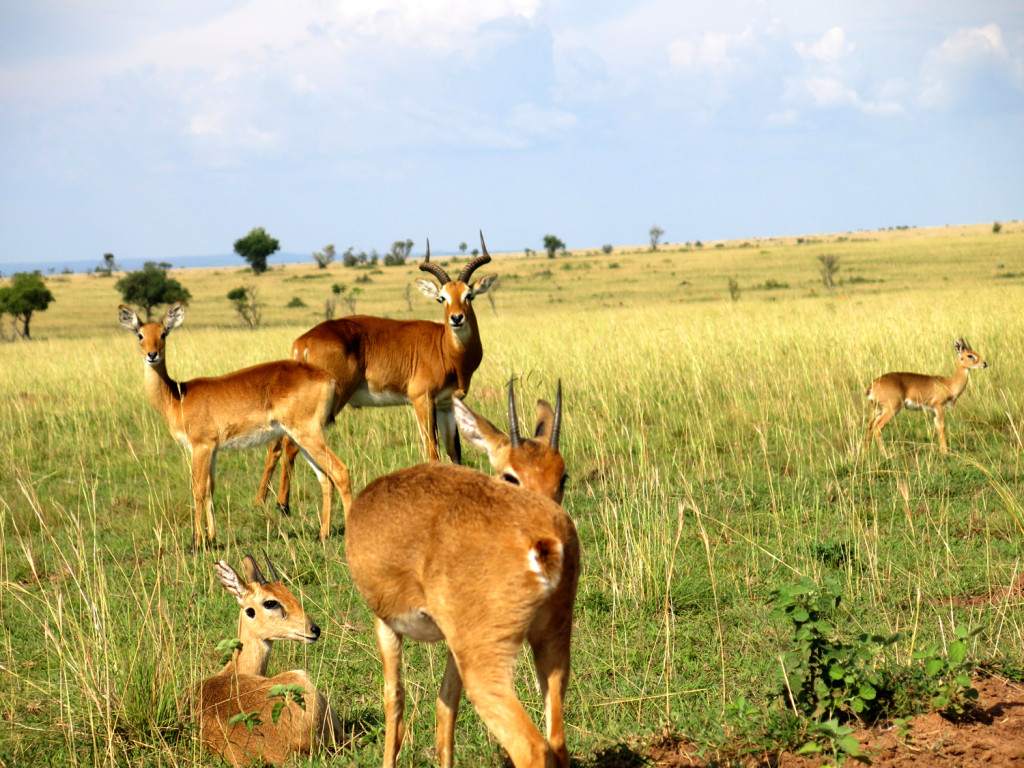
(715, 448)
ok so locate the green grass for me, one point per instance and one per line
(715, 454)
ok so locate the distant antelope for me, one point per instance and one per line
(269, 612)
(443, 552)
(247, 408)
(917, 391)
(380, 362)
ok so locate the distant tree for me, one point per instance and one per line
(150, 287)
(247, 305)
(331, 302)
(996, 227)
(607, 248)
(348, 258)
(553, 244)
(400, 250)
(25, 294)
(325, 257)
(256, 247)
(734, 289)
(463, 247)
(829, 267)
(656, 232)
(528, 252)
(109, 266)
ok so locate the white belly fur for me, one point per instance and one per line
(365, 398)
(416, 625)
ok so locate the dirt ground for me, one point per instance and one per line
(993, 736)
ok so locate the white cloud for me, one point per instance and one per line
(830, 93)
(966, 63)
(830, 48)
(717, 52)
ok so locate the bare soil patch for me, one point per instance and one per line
(991, 736)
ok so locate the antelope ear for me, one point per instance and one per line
(478, 431)
(175, 316)
(428, 288)
(545, 421)
(128, 319)
(484, 284)
(231, 581)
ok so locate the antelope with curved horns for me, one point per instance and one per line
(443, 552)
(269, 612)
(918, 391)
(243, 409)
(381, 362)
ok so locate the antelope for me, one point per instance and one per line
(269, 612)
(444, 552)
(243, 409)
(382, 362)
(917, 391)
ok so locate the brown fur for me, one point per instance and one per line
(442, 551)
(935, 394)
(243, 407)
(425, 362)
(243, 687)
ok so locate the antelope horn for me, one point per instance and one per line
(556, 425)
(513, 419)
(256, 569)
(270, 567)
(435, 269)
(479, 261)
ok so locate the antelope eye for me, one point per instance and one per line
(139, 335)
(271, 605)
(508, 477)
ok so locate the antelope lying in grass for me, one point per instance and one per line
(379, 362)
(243, 409)
(443, 552)
(241, 695)
(918, 391)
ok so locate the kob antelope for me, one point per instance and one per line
(269, 612)
(916, 391)
(381, 362)
(443, 552)
(247, 408)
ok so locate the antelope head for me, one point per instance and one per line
(968, 357)
(269, 609)
(152, 336)
(533, 462)
(456, 295)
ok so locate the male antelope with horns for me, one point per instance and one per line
(443, 552)
(378, 361)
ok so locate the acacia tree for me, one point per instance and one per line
(25, 294)
(256, 247)
(656, 232)
(829, 267)
(150, 287)
(400, 250)
(247, 305)
(325, 257)
(553, 244)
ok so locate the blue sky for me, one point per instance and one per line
(169, 128)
